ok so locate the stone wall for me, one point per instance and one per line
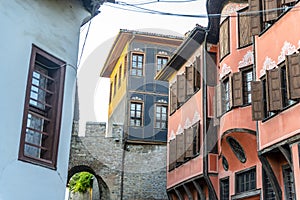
(144, 166)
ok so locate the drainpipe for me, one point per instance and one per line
(212, 192)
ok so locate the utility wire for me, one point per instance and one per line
(163, 1)
(84, 42)
(151, 11)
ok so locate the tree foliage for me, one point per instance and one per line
(81, 182)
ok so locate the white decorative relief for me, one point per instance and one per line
(187, 123)
(172, 135)
(138, 49)
(162, 101)
(179, 130)
(268, 64)
(287, 49)
(163, 53)
(225, 70)
(136, 98)
(247, 59)
(196, 117)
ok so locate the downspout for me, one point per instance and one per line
(212, 192)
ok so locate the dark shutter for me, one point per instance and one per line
(172, 154)
(274, 89)
(216, 119)
(237, 89)
(257, 100)
(188, 138)
(189, 71)
(197, 66)
(173, 95)
(293, 75)
(244, 28)
(196, 133)
(180, 148)
(255, 21)
(218, 96)
(211, 70)
(181, 88)
(270, 9)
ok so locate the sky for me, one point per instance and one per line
(96, 39)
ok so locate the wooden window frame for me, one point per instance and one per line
(110, 92)
(125, 67)
(136, 68)
(245, 82)
(141, 118)
(225, 163)
(172, 154)
(240, 30)
(160, 121)
(173, 103)
(115, 84)
(226, 103)
(181, 89)
(267, 186)
(180, 149)
(50, 132)
(222, 180)
(226, 51)
(241, 173)
(162, 57)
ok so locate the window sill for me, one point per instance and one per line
(246, 194)
(278, 112)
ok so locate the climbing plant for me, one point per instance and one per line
(81, 182)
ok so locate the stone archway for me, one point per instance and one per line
(103, 189)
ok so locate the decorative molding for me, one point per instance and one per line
(225, 70)
(162, 101)
(138, 49)
(248, 59)
(187, 123)
(136, 98)
(196, 117)
(287, 49)
(179, 130)
(162, 53)
(268, 64)
(172, 135)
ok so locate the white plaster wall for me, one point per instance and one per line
(54, 26)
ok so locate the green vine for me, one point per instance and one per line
(81, 182)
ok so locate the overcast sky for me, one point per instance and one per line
(94, 91)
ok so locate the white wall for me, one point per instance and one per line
(54, 27)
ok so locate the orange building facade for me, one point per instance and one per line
(233, 130)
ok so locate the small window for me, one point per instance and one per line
(136, 114)
(161, 116)
(265, 101)
(225, 163)
(245, 181)
(289, 185)
(237, 149)
(225, 95)
(224, 189)
(110, 92)
(137, 64)
(115, 85)
(42, 110)
(161, 61)
(125, 67)
(247, 78)
(120, 75)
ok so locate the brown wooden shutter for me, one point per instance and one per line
(287, 1)
(230, 92)
(244, 29)
(172, 154)
(189, 71)
(274, 89)
(293, 75)
(224, 38)
(255, 20)
(218, 96)
(180, 148)
(237, 89)
(270, 9)
(196, 133)
(257, 100)
(173, 96)
(181, 88)
(188, 138)
(197, 66)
